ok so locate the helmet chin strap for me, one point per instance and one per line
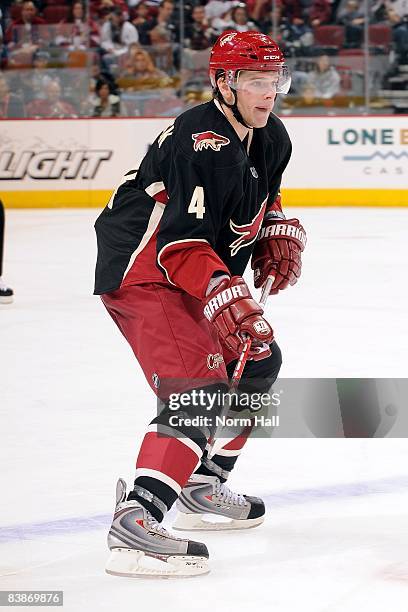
(235, 110)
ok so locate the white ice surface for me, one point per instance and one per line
(74, 404)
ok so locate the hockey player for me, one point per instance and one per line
(173, 243)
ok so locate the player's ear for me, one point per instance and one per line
(225, 90)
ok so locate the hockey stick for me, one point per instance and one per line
(243, 358)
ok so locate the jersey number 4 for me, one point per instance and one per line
(197, 203)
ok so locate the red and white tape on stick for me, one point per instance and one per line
(239, 368)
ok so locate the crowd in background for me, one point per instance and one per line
(106, 57)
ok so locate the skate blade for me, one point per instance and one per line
(212, 522)
(138, 564)
(6, 299)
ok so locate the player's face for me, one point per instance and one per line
(256, 96)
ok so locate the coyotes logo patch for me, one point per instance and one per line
(227, 38)
(205, 140)
(247, 233)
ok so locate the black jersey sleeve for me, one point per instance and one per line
(279, 140)
(202, 192)
(276, 178)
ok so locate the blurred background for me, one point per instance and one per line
(130, 58)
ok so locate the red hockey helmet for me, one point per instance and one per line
(235, 51)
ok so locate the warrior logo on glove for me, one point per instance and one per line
(236, 316)
(278, 252)
(284, 230)
(222, 298)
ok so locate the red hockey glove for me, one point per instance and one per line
(236, 315)
(278, 252)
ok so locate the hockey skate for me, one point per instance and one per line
(204, 499)
(6, 294)
(140, 546)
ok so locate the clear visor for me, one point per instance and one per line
(259, 82)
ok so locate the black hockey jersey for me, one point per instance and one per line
(195, 205)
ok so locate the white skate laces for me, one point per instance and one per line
(225, 495)
(150, 521)
(154, 525)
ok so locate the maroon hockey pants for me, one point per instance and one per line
(173, 341)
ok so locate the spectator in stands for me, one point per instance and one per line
(128, 59)
(117, 33)
(240, 19)
(137, 62)
(352, 18)
(35, 83)
(292, 12)
(235, 18)
(319, 13)
(97, 74)
(285, 22)
(101, 8)
(308, 96)
(271, 22)
(78, 32)
(25, 35)
(198, 34)
(4, 10)
(324, 78)
(11, 106)
(3, 49)
(260, 10)
(397, 13)
(160, 29)
(305, 6)
(379, 11)
(218, 8)
(223, 22)
(53, 106)
(104, 102)
(141, 73)
(339, 7)
(140, 15)
(297, 35)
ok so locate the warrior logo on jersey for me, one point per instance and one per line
(204, 140)
(247, 233)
